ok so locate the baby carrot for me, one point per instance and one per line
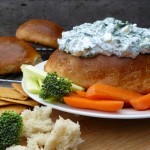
(141, 103)
(81, 93)
(102, 105)
(101, 91)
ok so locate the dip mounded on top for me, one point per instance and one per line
(107, 37)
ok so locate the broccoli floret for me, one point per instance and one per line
(55, 87)
(48, 86)
(11, 125)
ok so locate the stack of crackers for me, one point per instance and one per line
(15, 99)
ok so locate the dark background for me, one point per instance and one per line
(69, 13)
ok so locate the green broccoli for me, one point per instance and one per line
(54, 87)
(11, 125)
(48, 86)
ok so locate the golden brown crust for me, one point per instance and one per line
(14, 52)
(127, 73)
(40, 31)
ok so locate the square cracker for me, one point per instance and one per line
(28, 102)
(4, 103)
(19, 88)
(11, 93)
(16, 108)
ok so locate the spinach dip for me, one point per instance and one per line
(107, 37)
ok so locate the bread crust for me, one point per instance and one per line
(15, 52)
(127, 73)
(40, 31)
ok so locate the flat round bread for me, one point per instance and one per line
(40, 31)
(15, 52)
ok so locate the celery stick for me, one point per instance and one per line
(33, 78)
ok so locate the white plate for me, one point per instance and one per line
(126, 113)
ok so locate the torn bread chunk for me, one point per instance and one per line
(64, 136)
(37, 141)
(37, 121)
(17, 147)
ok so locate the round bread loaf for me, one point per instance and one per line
(40, 31)
(15, 52)
(127, 73)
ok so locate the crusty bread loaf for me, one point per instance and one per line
(40, 31)
(127, 73)
(15, 52)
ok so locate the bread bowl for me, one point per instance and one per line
(14, 52)
(128, 69)
(40, 31)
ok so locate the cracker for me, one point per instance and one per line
(11, 93)
(28, 102)
(19, 88)
(15, 108)
(4, 103)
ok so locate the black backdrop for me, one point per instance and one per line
(69, 13)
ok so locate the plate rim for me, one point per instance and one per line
(87, 112)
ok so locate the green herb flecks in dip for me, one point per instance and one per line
(107, 37)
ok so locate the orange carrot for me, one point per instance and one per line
(102, 105)
(100, 91)
(74, 95)
(141, 103)
(81, 93)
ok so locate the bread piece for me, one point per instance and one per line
(64, 136)
(127, 73)
(40, 31)
(37, 141)
(37, 121)
(17, 147)
(15, 52)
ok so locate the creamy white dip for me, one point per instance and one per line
(107, 37)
